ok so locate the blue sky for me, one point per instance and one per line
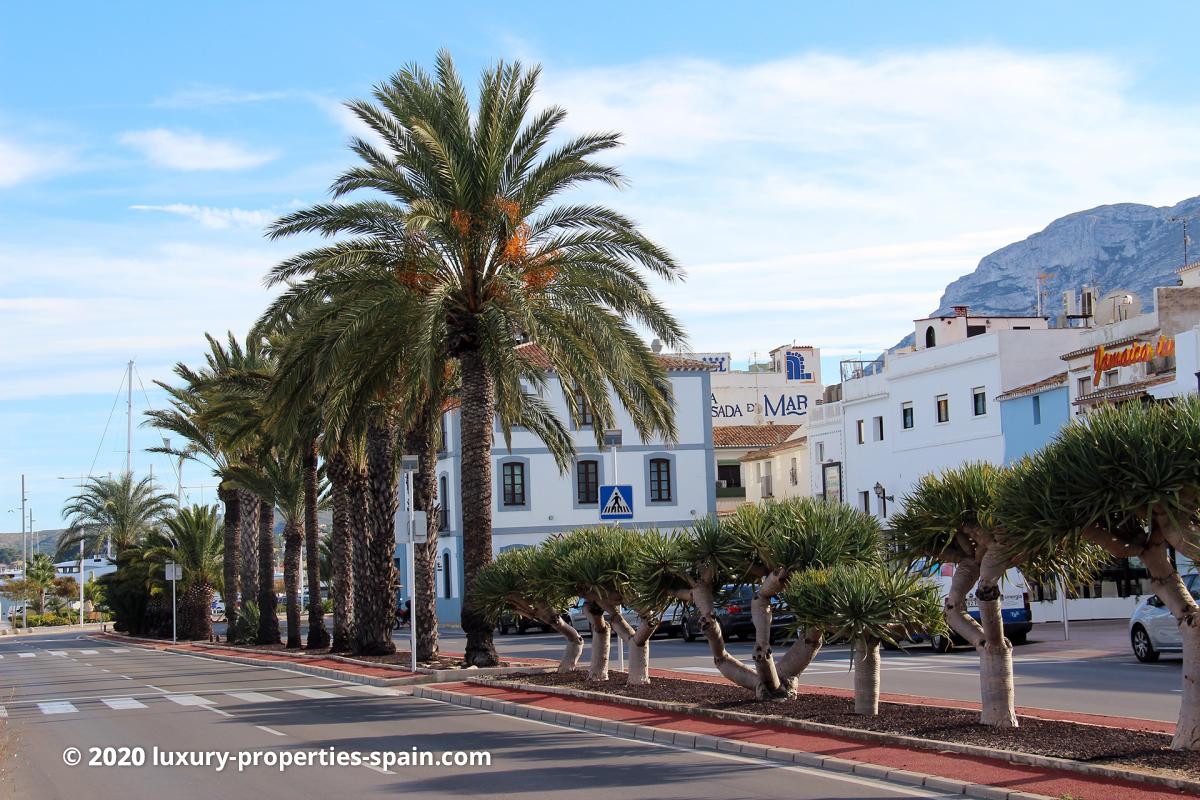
(823, 170)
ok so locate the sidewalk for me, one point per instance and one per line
(1101, 638)
(952, 772)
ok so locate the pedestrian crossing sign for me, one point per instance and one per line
(616, 501)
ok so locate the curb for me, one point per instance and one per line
(1011, 756)
(698, 741)
(94, 627)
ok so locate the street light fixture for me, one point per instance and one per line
(410, 465)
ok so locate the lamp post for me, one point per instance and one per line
(24, 557)
(884, 498)
(410, 464)
(81, 543)
(612, 439)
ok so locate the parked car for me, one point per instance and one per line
(1153, 629)
(518, 622)
(673, 621)
(1015, 610)
(582, 623)
(733, 615)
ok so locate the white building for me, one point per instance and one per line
(672, 483)
(93, 568)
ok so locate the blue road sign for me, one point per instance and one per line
(616, 501)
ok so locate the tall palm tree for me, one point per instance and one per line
(192, 538)
(113, 511)
(214, 439)
(468, 237)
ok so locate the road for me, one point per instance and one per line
(63, 691)
(1117, 685)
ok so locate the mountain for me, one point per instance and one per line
(1125, 246)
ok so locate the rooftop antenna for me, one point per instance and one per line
(1042, 278)
(1186, 240)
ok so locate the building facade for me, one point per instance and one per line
(672, 484)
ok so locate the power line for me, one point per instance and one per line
(106, 424)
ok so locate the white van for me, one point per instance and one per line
(1014, 606)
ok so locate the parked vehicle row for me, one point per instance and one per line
(1153, 629)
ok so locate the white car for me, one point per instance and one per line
(1153, 629)
(581, 623)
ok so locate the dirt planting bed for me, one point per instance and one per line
(1094, 744)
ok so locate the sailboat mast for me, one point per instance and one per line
(129, 423)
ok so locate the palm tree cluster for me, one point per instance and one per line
(450, 255)
(1125, 482)
(822, 563)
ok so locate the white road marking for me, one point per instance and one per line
(3, 712)
(26, 655)
(117, 650)
(89, 652)
(312, 694)
(59, 653)
(379, 769)
(106, 670)
(216, 710)
(155, 688)
(189, 700)
(126, 677)
(254, 697)
(270, 730)
(376, 690)
(57, 708)
(122, 703)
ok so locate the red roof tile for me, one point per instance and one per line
(751, 435)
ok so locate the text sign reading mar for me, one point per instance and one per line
(616, 501)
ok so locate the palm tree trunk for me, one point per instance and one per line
(268, 608)
(866, 676)
(291, 581)
(341, 555)
(423, 611)
(229, 558)
(477, 414)
(360, 551)
(373, 623)
(248, 539)
(318, 637)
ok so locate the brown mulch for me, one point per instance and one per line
(1060, 739)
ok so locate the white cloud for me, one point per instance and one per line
(184, 150)
(217, 218)
(202, 96)
(20, 162)
(835, 192)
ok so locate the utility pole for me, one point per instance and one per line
(24, 557)
(1186, 241)
(129, 423)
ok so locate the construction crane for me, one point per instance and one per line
(1042, 291)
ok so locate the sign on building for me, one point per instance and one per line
(616, 502)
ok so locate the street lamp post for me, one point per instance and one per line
(24, 557)
(410, 465)
(612, 439)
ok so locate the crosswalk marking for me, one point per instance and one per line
(254, 697)
(312, 694)
(89, 652)
(379, 690)
(189, 700)
(61, 707)
(3, 712)
(118, 650)
(26, 655)
(59, 653)
(122, 703)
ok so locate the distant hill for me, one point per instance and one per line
(46, 541)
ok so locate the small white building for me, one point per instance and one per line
(779, 472)
(93, 568)
(672, 483)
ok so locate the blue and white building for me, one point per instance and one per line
(672, 484)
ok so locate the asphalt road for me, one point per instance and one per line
(1117, 685)
(65, 691)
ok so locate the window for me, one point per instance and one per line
(731, 474)
(442, 431)
(1037, 409)
(444, 504)
(877, 429)
(660, 480)
(930, 337)
(766, 484)
(586, 420)
(943, 408)
(820, 452)
(861, 430)
(447, 587)
(906, 415)
(514, 483)
(864, 501)
(1110, 378)
(1083, 386)
(587, 483)
(979, 401)
(795, 474)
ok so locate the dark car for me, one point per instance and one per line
(520, 623)
(733, 615)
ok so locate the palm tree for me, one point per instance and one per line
(39, 578)
(1124, 483)
(216, 440)
(868, 605)
(119, 512)
(193, 538)
(468, 238)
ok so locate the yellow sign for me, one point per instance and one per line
(1134, 354)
